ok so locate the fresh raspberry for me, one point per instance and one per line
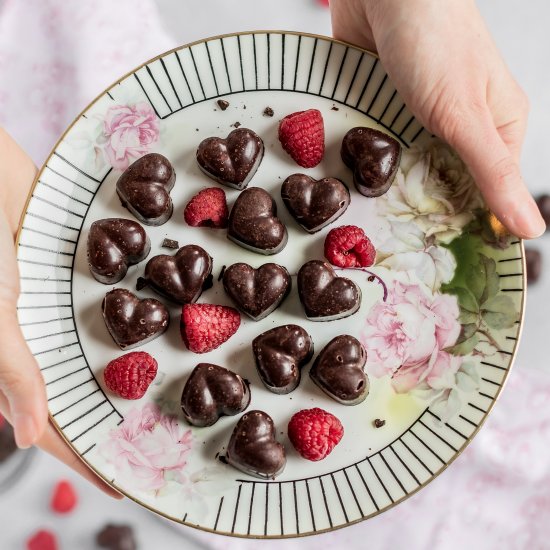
(205, 327)
(208, 208)
(348, 246)
(42, 540)
(64, 498)
(302, 136)
(130, 375)
(314, 433)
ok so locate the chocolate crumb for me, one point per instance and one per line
(268, 111)
(379, 423)
(244, 106)
(141, 283)
(236, 124)
(220, 276)
(217, 455)
(222, 104)
(533, 262)
(170, 243)
(222, 459)
(334, 108)
(370, 278)
(196, 129)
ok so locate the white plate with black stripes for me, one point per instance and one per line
(440, 315)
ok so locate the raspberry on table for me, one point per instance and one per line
(348, 246)
(205, 327)
(130, 375)
(302, 135)
(314, 433)
(42, 540)
(64, 499)
(208, 208)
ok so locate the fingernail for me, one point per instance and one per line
(24, 430)
(528, 221)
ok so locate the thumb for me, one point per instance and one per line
(21, 382)
(498, 177)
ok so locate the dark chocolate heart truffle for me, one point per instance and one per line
(253, 222)
(338, 370)
(324, 295)
(257, 292)
(113, 245)
(133, 322)
(116, 537)
(144, 189)
(314, 204)
(211, 392)
(374, 158)
(280, 353)
(231, 161)
(180, 278)
(253, 448)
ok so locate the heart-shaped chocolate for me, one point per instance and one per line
(144, 189)
(338, 370)
(180, 278)
(113, 245)
(253, 222)
(257, 292)
(253, 448)
(314, 204)
(324, 295)
(374, 158)
(133, 322)
(211, 392)
(231, 161)
(280, 353)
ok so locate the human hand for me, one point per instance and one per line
(22, 392)
(446, 67)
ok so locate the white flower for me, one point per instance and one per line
(435, 191)
(406, 251)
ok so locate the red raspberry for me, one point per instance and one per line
(302, 136)
(314, 433)
(348, 246)
(205, 327)
(42, 540)
(208, 208)
(64, 498)
(130, 375)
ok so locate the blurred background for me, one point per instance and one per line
(56, 56)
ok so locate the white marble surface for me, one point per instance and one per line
(521, 33)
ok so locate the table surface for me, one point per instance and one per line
(56, 56)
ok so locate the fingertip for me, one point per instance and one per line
(526, 220)
(25, 430)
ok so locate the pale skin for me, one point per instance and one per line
(443, 62)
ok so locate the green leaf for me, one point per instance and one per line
(492, 283)
(468, 317)
(466, 341)
(466, 300)
(499, 312)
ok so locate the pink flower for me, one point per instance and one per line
(406, 335)
(130, 131)
(147, 445)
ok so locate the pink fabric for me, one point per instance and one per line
(55, 56)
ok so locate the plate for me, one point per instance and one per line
(440, 316)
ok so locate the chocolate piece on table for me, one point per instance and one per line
(280, 353)
(222, 104)
(543, 202)
(144, 189)
(379, 423)
(324, 295)
(231, 161)
(211, 392)
(7, 440)
(338, 370)
(253, 222)
(133, 322)
(253, 448)
(257, 292)
(116, 537)
(533, 263)
(374, 158)
(314, 204)
(268, 111)
(113, 245)
(182, 277)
